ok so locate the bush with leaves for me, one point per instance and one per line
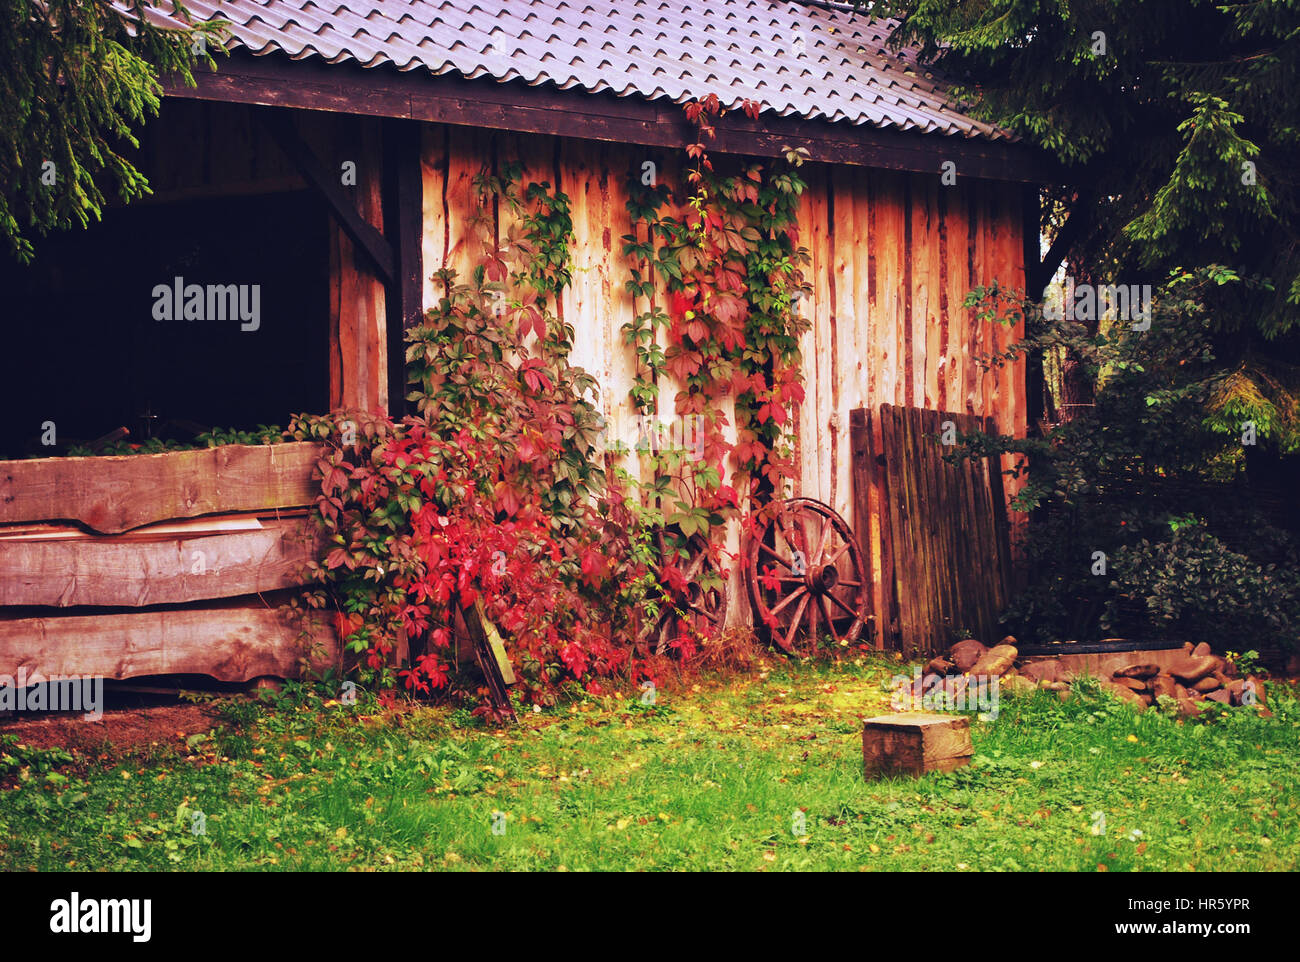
(1111, 488)
(1193, 586)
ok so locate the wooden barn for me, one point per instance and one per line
(177, 563)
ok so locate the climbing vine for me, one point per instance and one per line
(499, 488)
(727, 254)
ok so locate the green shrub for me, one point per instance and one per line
(1192, 586)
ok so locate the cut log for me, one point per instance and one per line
(964, 654)
(996, 661)
(1193, 668)
(1048, 669)
(231, 642)
(1019, 684)
(913, 743)
(938, 666)
(125, 571)
(1123, 693)
(115, 494)
(1138, 671)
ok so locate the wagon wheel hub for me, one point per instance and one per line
(803, 607)
(821, 578)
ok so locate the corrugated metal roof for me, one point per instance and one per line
(823, 62)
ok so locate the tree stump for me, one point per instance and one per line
(913, 743)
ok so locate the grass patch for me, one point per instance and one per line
(717, 776)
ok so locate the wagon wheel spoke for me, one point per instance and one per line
(696, 564)
(838, 555)
(702, 607)
(850, 584)
(847, 610)
(793, 596)
(772, 552)
(651, 628)
(827, 530)
(788, 642)
(793, 544)
(826, 610)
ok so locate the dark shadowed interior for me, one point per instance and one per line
(83, 350)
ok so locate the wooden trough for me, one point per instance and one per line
(173, 563)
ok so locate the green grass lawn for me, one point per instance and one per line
(711, 777)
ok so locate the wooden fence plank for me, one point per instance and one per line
(124, 571)
(115, 494)
(229, 642)
(942, 528)
(866, 525)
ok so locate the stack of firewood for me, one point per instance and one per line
(1196, 677)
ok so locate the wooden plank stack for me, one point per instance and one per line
(171, 563)
(941, 555)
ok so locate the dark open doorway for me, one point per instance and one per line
(84, 351)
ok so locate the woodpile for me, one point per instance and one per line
(1199, 676)
(175, 563)
(1190, 680)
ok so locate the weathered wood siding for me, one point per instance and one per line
(150, 594)
(893, 255)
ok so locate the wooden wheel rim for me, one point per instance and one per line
(822, 592)
(696, 610)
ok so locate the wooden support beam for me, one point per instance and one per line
(120, 492)
(490, 654)
(1034, 384)
(330, 186)
(383, 92)
(403, 224)
(227, 642)
(1039, 273)
(126, 571)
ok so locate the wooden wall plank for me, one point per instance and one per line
(958, 363)
(585, 301)
(435, 157)
(926, 288)
(123, 571)
(358, 307)
(887, 242)
(114, 494)
(821, 444)
(227, 642)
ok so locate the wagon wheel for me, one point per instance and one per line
(695, 602)
(806, 576)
